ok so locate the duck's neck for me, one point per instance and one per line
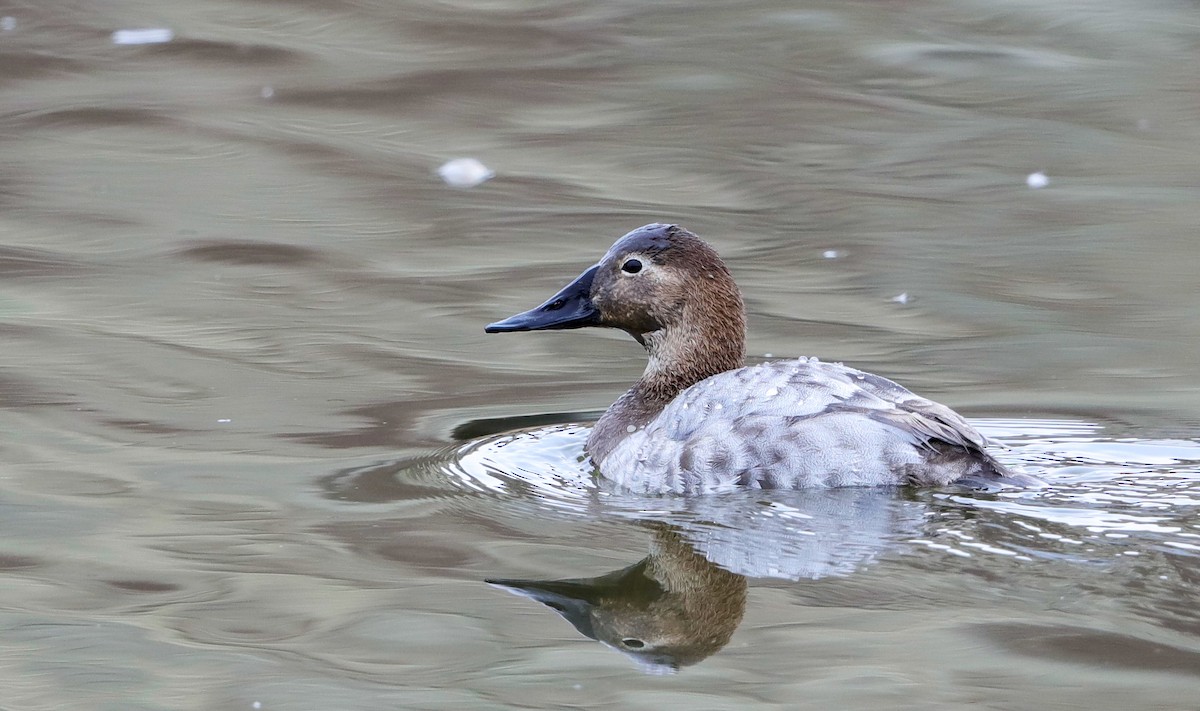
(681, 356)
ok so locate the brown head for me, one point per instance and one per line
(669, 290)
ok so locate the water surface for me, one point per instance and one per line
(258, 449)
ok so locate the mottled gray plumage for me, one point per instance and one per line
(797, 424)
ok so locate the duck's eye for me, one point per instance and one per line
(632, 266)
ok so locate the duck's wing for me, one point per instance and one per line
(795, 424)
(924, 418)
(798, 388)
(806, 388)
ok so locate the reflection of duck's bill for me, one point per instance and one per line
(571, 307)
(573, 600)
(578, 600)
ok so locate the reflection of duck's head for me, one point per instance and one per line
(672, 609)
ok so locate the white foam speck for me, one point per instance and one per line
(465, 172)
(1037, 180)
(267, 92)
(831, 254)
(8, 23)
(150, 35)
(631, 429)
(225, 420)
(256, 705)
(900, 298)
(768, 355)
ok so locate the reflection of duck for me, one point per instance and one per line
(697, 420)
(788, 535)
(669, 610)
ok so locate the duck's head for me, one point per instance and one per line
(659, 283)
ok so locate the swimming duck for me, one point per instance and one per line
(699, 420)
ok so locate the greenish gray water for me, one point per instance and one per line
(242, 320)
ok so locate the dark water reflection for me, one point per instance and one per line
(671, 609)
(243, 354)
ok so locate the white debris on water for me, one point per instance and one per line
(148, 35)
(465, 172)
(831, 254)
(224, 420)
(1037, 180)
(267, 92)
(901, 298)
(8, 23)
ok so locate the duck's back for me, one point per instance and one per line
(797, 424)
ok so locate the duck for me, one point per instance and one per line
(699, 420)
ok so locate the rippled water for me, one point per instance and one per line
(258, 452)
